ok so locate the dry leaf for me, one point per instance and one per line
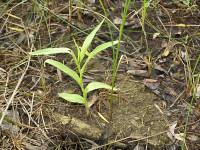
(165, 53)
(117, 21)
(151, 83)
(179, 136)
(141, 73)
(91, 1)
(155, 35)
(159, 68)
(171, 134)
(193, 138)
(198, 91)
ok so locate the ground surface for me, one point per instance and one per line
(158, 99)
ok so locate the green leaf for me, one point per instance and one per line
(97, 50)
(48, 51)
(74, 98)
(65, 69)
(88, 41)
(102, 47)
(98, 85)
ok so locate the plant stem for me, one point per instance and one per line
(84, 93)
(144, 13)
(116, 54)
(85, 99)
(87, 107)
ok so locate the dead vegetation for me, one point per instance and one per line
(158, 104)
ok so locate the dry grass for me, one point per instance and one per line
(27, 89)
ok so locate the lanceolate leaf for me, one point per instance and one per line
(98, 85)
(88, 41)
(74, 98)
(78, 51)
(65, 69)
(48, 51)
(102, 47)
(97, 50)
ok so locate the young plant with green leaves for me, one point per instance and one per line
(81, 59)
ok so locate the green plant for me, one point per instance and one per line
(116, 53)
(192, 83)
(81, 59)
(145, 6)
